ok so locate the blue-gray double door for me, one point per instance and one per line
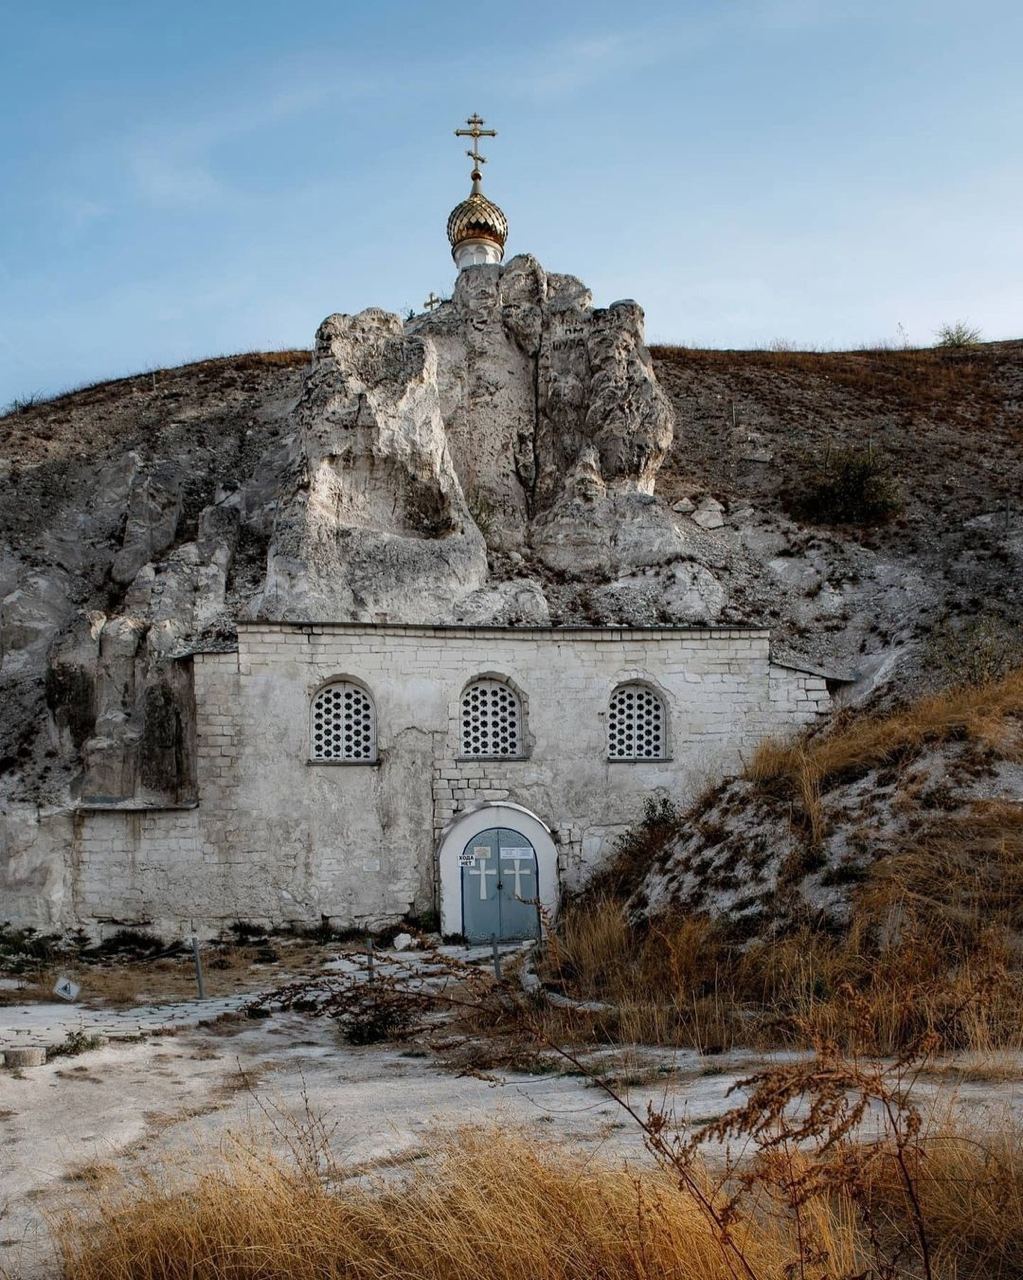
(500, 888)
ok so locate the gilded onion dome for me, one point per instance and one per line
(477, 218)
(477, 228)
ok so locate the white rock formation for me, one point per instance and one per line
(494, 461)
(376, 526)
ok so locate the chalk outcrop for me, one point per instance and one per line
(376, 525)
(494, 461)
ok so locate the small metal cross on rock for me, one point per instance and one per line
(433, 302)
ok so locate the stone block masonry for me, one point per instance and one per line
(278, 837)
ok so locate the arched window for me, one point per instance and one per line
(343, 723)
(637, 724)
(491, 720)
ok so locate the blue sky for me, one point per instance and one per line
(189, 179)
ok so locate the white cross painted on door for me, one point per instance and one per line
(518, 870)
(483, 871)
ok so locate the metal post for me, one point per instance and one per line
(369, 958)
(497, 957)
(198, 968)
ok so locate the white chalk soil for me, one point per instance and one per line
(68, 1127)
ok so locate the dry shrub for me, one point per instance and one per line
(957, 336)
(852, 486)
(972, 651)
(934, 1195)
(637, 849)
(487, 1204)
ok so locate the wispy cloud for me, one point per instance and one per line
(572, 66)
(175, 180)
(176, 166)
(81, 211)
(790, 15)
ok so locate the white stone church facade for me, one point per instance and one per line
(347, 771)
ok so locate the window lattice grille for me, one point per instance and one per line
(491, 720)
(343, 723)
(635, 724)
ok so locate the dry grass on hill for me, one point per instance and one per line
(945, 1201)
(681, 981)
(913, 378)
(111, 388)
(931, 944)
(978, 713)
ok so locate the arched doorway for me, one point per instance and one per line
(498, 867)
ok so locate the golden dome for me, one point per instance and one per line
(477, 218)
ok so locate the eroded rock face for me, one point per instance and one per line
(377, 526)
(516, 417)
(537, 385)
(492, 462)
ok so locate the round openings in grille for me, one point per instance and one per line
(635, 724)
(491, 720)
(343, 723)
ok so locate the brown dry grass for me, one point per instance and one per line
(968, 1177)
(933, 940)
(856, 743)
(915, 379)
(487, 1204)
(663, 984)
(944, 1197)
(907, 968)
(93, 1173)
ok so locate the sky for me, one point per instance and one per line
(211, 176)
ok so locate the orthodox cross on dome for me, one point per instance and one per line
(476, 131)
(433, 302)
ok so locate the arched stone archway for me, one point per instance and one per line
(488, 818)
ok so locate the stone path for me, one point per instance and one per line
(46, 1025)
